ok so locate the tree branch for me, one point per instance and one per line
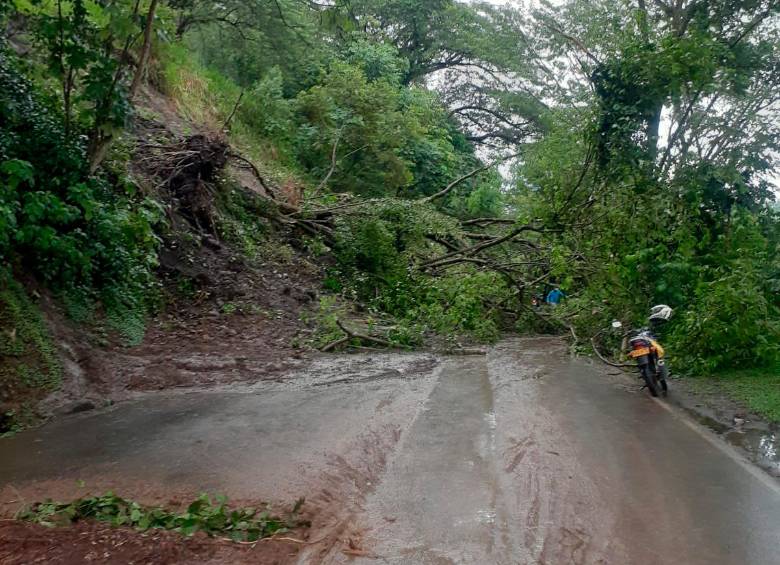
(446, 190)
(574, 40)
(604, 359)
(487, 221)
(145, 50)
(474, 249)
(355, 335)
(332, 165)
(233, 112)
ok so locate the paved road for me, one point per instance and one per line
(523, 456)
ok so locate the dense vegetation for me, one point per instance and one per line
(454, 158)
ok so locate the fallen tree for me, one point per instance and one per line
(190, 172)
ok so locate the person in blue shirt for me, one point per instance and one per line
(555, 296)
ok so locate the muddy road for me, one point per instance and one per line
(525, 456)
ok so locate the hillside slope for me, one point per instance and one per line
(232, 304)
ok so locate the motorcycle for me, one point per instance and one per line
(644, 348)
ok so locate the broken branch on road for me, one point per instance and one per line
(352, 335)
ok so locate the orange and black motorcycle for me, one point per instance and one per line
(645, 349)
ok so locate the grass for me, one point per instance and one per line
(29, 364)
(126, 315)
(206, 97)
(758, 389)
(28, 357)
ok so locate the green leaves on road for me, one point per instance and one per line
(212, 517)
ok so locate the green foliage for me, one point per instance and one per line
(375, 242)
(76, 41)
(463, 304)
(644, 220)
(376, 246)
(29, 364)
(387, 101)
(262, 125)
(70, 230)
(408, 333)
(246, 39)
(238, 219)
(377, 61)
(392, 140)
(265, 110)
(214, 518)
(329, 310)
(732, 321)
(204, 96)
(230, 308)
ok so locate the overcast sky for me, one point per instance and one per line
(665, 123)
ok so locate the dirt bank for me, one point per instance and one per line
(22, 544)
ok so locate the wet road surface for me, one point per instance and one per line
(524, 456)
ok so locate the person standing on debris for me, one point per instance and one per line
(555, 296)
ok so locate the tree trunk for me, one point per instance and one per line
(653, 127)
(654, 119)
(97, 151)
(145, 50)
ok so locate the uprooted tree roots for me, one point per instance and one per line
(188, 170)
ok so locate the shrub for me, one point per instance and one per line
(729, 324)
(68, 229)
(731, 320)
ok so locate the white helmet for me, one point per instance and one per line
(661, 312)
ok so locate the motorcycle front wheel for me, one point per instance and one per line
(663, 374)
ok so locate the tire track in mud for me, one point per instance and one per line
(440, 500)
(350, 478)
(545, 494)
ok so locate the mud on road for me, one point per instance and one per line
(525, 455)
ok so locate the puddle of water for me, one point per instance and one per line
(711, 423)
(486, 516)
(763, 446)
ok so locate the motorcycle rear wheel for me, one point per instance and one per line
(650, 380)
